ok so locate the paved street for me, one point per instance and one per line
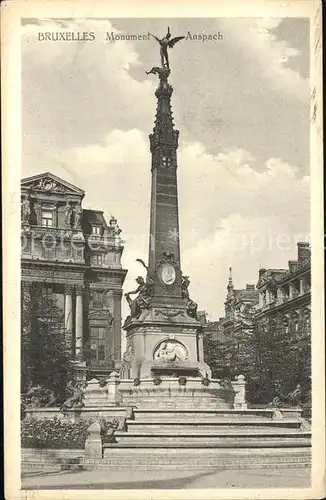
(162, 479)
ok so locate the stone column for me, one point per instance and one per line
(116, 330)
(38, 215)
(79, 322)
(268, 297)
(68, 314)
(290, 291)
(279, 296)
(261, 300)
(302, 286)
(26, 292)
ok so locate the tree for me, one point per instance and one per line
(215, 357)
(274, 362)
(45, 344)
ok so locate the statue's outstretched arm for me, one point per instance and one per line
(134, 291)
(159, 41)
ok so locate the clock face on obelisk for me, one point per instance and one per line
(166, 161)
(167, 274)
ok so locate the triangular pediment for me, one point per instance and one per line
(50, 183)
(100, 315)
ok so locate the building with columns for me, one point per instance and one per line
(75, 255)
(286, 293)
(279, 292)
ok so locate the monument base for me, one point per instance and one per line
(172, 392)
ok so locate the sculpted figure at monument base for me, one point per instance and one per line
(142, 301)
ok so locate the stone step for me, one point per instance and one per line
(204, 425)
(48, 459)
(182, 401)
(196, 457)
(211, 413)
(219, 439)
(39, 467)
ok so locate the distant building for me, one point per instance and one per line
(279, 292)
(236, 304)
(237, 301)
(286, 293)
(214, 329)
(75, 255)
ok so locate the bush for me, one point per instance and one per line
(53, 433)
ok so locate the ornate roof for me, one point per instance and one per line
(49, 183)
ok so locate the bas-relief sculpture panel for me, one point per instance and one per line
(170, 351)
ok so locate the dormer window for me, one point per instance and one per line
(96, 230)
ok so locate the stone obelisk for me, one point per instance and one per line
(164, 242)
(164, 337)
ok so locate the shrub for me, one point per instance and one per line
(53, 433)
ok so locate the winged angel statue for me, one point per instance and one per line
(166, 43)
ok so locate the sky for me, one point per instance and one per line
(241, 105)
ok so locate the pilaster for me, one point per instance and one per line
(79, 322)
(69, 314)
(116, 331)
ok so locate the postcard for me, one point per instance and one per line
(163, 250)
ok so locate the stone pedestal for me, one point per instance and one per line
(112, 385)
(80, 369)
(93, 444)
(94, 394)
(165, 341)
(172, 392)
(239, 387)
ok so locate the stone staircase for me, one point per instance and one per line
(34, 461)
(210, 438)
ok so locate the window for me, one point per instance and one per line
(97, 299)
(47, 218)
(78, 253)
(97, 344)
(96, 230)
(97, 260)
(47, 290)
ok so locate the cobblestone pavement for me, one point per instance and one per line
(169, 479)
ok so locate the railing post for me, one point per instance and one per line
(93, 443)
(239, 387)
(112, 383)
